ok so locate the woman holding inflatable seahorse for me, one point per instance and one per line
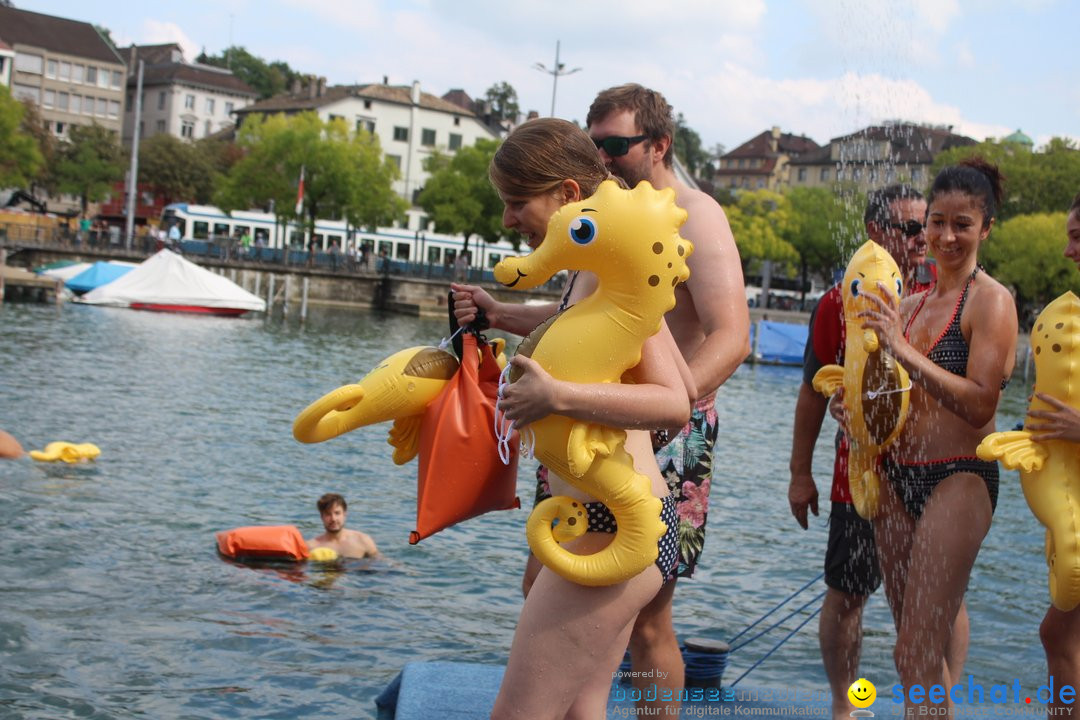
(957, 341)
(571, 636)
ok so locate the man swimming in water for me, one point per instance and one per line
(347, 543)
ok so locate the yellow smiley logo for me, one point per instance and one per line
(862, 693)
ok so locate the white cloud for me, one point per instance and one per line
(155, 32)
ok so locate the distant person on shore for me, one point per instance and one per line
(893, 219)
(958, 343)
(174, 236)
(10, 449)
(1060, 631)
(347, 543)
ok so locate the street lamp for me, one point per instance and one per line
(555, 73)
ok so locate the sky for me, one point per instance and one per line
(733, 68)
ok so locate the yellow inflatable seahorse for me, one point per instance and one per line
(67, 452)
(1050, 470)
(630, 240)
(398, 389)
(875, 385)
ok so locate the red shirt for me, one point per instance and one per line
(826, 347)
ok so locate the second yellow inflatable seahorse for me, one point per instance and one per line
(1050, 470)
(875, 385)
(630, 240)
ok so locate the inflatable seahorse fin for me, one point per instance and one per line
(829, 379)
(323, 554)
(587, 441)
(1014, 448)
(405, 438)
(67, 452)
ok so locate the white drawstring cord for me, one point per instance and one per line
(446, 341)
(875, 394)
(504, 429)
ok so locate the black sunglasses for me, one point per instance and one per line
(911, 228)
(616, 146)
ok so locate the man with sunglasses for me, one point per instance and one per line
(894, 219)
(633, 128)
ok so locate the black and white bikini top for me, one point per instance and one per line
(950, 350)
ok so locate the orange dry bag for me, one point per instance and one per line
(461, 475)
(280, 542)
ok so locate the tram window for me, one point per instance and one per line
(385, 246)
(263, 235)
(434, 255)
(242, 230)
(450, 256)
(318, 238)
(296, 238)
(201, 230)
(402, 251)
(221, 230)
(493, 259)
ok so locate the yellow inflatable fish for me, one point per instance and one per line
(1050, 470)
(630, 240)
(67, 452)
(398, 389)
(876, 387)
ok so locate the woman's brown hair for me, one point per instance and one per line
(539, 154)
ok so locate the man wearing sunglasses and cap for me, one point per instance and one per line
(634, 129)
(894, 219)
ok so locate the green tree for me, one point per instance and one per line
(824, 230)
(89, 164)
(688, 147)
(178, 170)
(266, 78)
(504, 100)
(20, 154)
(1035, 182)
(761, 221)
(1025, 253)
(459, 197)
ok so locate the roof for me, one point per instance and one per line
(400, 94)
(759, 146)
(174, 73)
(60, 35)
(153, 54)
(1019, 137)
(909, 143)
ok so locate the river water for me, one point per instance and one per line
(114, 602)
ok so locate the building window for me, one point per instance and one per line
(824, 174)
(51, 68)
(88, 105)
(130, 101)
(916, 175)
(65, 71)
(332, 117)
(160, 126)
(77, 72)
(103, 78)
(209, 106)
(229, 108)
(76, 104)
(761, 183)
(117, 78)
(208, 129)
(161, 100)
(29, 63)
(62, 101)
(48, 100)
(91, 75)
(189, 102)
(187, 129)
(61, 129)
(394, 160)
(365, 124)
(26, 92)
(427, 137)
(103, 107)
(802, 174)
(114, 108)
(455, 141)
(401, 134)
(457, 121)
(367, 104)
(856, 174)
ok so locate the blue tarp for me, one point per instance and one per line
(779, 343)
(98, 274)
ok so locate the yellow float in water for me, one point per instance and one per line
(323, 554)
(876, 387)
(1050, 470)
(630, 240)
(67, 452)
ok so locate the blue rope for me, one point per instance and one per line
(782, 603)
(791, 614)
(799, 627)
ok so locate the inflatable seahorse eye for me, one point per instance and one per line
(630, 240)
(875, 385)
(1050, 470)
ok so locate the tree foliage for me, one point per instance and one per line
(459, 197)
(688, 147)
(824, 230)
(20, 155)
(345, 173)
(178, 170)
(266, 78)
(504, 101)
(1035, 182)
(761, 222)
(88, 164)
(1025, 253)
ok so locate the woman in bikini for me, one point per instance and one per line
(958, 343)
(570, 638)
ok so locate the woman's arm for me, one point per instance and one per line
(1062, 423)
(659, 397)
(974, 398)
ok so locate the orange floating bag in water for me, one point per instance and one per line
(461, 475)
(269, 542)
